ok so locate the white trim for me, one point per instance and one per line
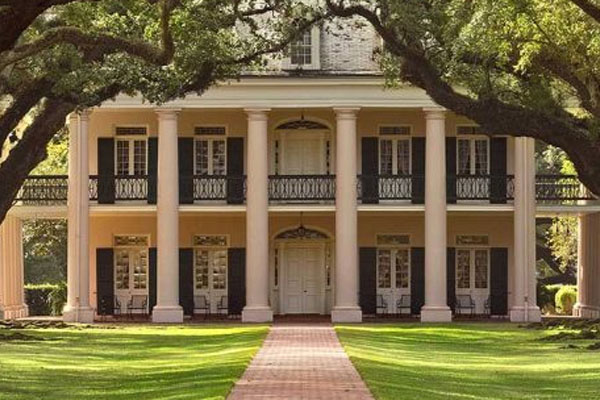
(315, 53)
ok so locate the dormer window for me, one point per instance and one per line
(304, 52)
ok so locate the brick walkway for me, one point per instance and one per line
(301, 361)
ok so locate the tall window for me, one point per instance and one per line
(210, 265)
(472, 268)
(131, 265)
(301, 50)
(394, 150)
(131, 157)
(473, 156)
(210, 153)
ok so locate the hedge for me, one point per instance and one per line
(46, 298)
(565, 299)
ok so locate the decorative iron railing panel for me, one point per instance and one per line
(302, 188)
(560, 188)
(129, 187)
(210, 187)
(43, 190)
(93, 187)
(495, 188)
(395, 187)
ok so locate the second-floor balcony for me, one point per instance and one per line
(371, 189)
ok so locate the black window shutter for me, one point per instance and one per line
(152, 169)
(186, 280)
(186, 170)
(498, 170)
(451, 169)
(235, 170)
(417, 279)
(152, 278)
(370, 170)
(367, 279)
(499, 281)
(451, 278)
(418, 170)
(236, 280)
(106, 170)
(105, 280)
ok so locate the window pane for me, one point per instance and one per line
(481, 156)
(201, 157)
(219, 269)
(218, 157)
(139, 157)
(201, 269)
(140, 270)
(463, 264)
(464, 157)
(403, 157)
(402, 268)
(122, 157)
(300, 51)
(384, 269)
(385, 157)
(122, 269)
(481, 269)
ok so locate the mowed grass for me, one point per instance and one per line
(470, 361)
(129, 362)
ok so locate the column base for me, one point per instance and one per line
(346, 315)
(14, 312)
(257, 314)
(522, 314)
(78, 314)
(167, 314)
(585, 311)
(436, 314)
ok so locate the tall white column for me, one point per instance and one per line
(588, 268)
(346, 308)
(436, 308)
(524, 306)
(12, 302)
(78, 307)
(167, 309)
(257, 307)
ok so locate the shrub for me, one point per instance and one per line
(46, 298)
(546, 295)
(565, 299)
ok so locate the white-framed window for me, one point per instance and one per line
(210, 265)
(131, 266)
(473, 151)
(131, 150)
(472, 262)
(304, 53)
(394, 150)
(393, 269)
(210, 150)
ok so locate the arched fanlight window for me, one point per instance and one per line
(302, 124)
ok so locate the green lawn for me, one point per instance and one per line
(470, 361)
(130, 362)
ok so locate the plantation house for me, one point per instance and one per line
(310, 189)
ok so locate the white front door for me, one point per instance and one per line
(304, 154)
(303, 280)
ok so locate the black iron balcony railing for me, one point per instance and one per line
(302, 188)
(560, 188)
(52, 189)
(44, 190)
(494, 188)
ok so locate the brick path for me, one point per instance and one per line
(301, 361)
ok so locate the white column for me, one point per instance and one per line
(12, 302)
(167, 309)
(78, 307)
(257, 307)
(436, 308)
(346, 308)
(524, 307)
(588, 268)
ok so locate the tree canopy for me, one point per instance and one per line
(517, 67)
(60, 56)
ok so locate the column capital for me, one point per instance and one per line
(257, 114)
(346, 112)
(435, 113)
(167, 113)
(84, 115)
